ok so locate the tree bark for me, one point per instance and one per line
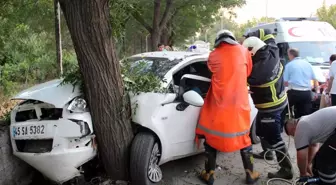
(88, 23)
(58, 36)
(155, 32)
(164, 38)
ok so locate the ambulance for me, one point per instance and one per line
(316, 41)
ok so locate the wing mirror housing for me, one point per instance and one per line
(193, 98)
(169, 98)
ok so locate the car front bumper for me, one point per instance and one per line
(57, 145)
(59, 166)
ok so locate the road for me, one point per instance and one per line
(231, 172)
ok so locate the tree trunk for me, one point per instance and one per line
(58, 36)
(155, 39)
(155, 32)
(164, 36)
(88, 23)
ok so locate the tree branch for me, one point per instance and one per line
(165, 17)
(137, 16)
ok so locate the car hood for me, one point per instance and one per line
(50, 92)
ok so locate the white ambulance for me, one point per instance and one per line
(315, 40)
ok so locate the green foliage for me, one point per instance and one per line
(27, 45)
(134, 78)
(136, 81)
(327, 14)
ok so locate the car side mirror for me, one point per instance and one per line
(193, 98)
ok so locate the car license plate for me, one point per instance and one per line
(28, 130)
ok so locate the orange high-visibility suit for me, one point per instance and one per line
(225, 116)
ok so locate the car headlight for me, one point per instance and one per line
(78, 105)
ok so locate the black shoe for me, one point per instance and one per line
(269, 155)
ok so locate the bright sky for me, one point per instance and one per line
(279, 8)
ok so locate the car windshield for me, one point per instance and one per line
(157, 66)
(315, 52)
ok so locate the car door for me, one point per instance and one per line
(180, 127)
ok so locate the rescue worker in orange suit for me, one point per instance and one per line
(225, 116)
(269, 96)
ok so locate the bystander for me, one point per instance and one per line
(331, 82)
(298, 76)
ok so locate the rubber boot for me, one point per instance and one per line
(247, 157)
(285, 171)
(269, 155)
(208, 174)
(208, 177)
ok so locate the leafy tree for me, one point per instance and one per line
(327, 14)
(179, 16)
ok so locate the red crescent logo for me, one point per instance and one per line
(290, 32)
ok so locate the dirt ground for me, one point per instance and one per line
(230, 171)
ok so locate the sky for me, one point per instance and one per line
(279, 8)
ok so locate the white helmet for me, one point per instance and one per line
(225, 36)
(253, 44)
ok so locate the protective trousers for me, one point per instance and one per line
(247, 158)
(325, 161)
(269, 129)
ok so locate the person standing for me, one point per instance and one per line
(225, 116)
(308, 132)
(331, 82)
(269, 97)
(298, 76)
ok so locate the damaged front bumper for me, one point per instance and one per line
(54, 141)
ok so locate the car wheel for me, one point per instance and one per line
(253, 133)
(145, 156)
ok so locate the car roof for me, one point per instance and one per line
(168, 54)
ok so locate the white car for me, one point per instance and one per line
(164, 123)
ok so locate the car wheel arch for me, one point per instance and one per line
(138, 128)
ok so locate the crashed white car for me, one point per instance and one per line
(53, 132)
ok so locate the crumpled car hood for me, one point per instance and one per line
(50, 92)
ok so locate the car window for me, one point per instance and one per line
(315, 52)
(198, 68)
(157, 66)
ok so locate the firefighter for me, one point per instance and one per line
(225, 116)
(308, 132)
(269, 97)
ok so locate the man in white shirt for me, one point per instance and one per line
(332, 83)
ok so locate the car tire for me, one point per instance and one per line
(253, 133)
(145, 155)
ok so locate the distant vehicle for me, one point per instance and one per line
(52, 129)
(316, 41)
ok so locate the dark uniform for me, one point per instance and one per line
(269, 96)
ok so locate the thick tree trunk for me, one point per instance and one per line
(88, 23)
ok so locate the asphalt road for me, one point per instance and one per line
(230, 171)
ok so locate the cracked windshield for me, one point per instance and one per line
(167, 92)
